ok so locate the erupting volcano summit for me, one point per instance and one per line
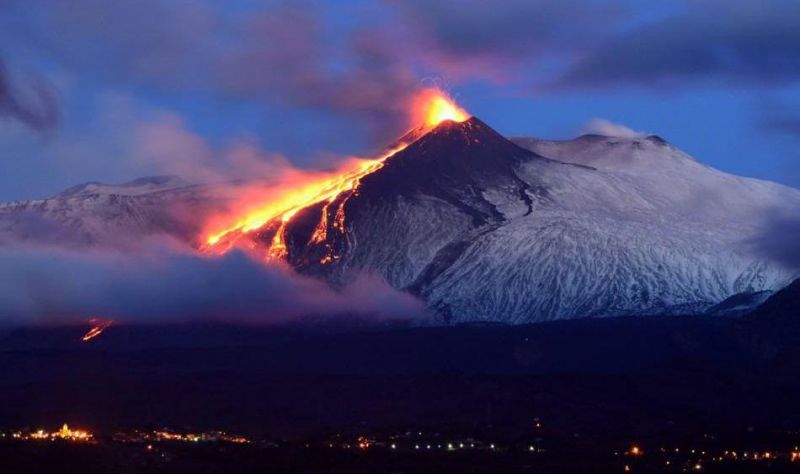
(431, 107)
(477, 226)
(485, 228)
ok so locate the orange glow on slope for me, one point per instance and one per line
(98, 326)
(289, 201)
(297, 191)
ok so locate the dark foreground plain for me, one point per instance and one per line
(563, 394)
(297, 459)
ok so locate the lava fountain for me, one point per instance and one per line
(430, 107)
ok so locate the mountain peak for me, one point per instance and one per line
(455, 164)
(472, 136)
(471, 125)
(650, 155)
(144, 185)
(452, 152)
(657, 140)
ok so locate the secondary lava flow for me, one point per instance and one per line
(430, 107)
(98, 326)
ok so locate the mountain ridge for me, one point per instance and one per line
(484, 229)
(649, 232)
(143, 185)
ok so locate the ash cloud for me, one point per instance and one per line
(586, 45)
(458, 35)
(269, 54)
(36, 106)
(738, 42)
(51, 285)
(340, 85)
(286, 53)
(783, 124)
(364, 71)
(781, 118)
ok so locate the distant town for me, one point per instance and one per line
(165, 446)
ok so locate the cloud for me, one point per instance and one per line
(159, 284)
(778, 239)
(607, 128)
(124, 138)
(145, 43)
(364, 71)
(286, 54)
(35, 106)
(780, 117)
(709, 40)
(501, 41)
(310, 76)
(164, 141)
(786, 125)
(270, 54)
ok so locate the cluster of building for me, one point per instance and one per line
(84, 436)
(63, 434)
(178, 437)
(417, 441)
(694, 459)
(633, 459)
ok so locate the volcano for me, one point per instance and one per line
(479, 226)
(449, 166)
(485, 228)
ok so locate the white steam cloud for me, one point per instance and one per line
(607, 128)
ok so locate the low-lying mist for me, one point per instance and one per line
(161, 282)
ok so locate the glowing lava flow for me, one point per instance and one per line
(430, 107)
(285, 206)
(98, 326)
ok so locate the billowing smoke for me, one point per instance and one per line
(161, 284)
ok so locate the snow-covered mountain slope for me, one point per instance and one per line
(485, 230)
(137, 187)
(105, 215)
(670, 179)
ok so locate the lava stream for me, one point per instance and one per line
(430, 108)
(294, 200)
(98, 326)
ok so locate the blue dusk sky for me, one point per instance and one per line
(98, 90)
